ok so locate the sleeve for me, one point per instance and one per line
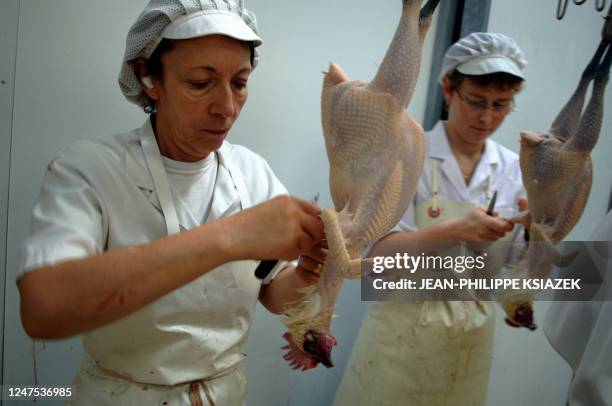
(515, 182)
(407, 222)
(422, 192)
(262, 183)
(67, 220)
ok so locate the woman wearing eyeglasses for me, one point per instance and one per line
(439, 352)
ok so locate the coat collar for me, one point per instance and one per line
(439, 148)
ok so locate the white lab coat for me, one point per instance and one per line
(99, 196)
(497, 163)
(581, 332)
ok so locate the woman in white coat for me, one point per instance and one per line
(145, 242)
(439, 352)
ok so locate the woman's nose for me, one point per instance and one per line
(224, 103)
(486, 115)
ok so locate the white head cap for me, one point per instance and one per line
(182, 19)
(481, 53)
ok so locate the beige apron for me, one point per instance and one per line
(184, 348)
(433, 353)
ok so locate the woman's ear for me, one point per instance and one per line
(146, 81)
(447, 91)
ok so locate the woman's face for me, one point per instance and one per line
(200, 94)
(475, 112)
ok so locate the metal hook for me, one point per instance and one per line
(600, 5)
(561, 8)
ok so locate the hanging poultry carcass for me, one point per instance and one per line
(557, 173)
(376, 152)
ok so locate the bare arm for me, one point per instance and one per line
(287, 287)
(77, 295)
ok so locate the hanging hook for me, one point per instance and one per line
(600, 5)
(561, 7)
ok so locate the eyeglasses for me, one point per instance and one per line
(497, 107)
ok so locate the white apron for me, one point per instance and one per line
(433, 353)
(184, 348)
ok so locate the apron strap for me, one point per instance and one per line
(160, 179)
(435, 189)
(162, 186)
(226, 159)
(194, 394)
(489, 191)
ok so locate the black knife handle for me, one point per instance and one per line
(264, 268)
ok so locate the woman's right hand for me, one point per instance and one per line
(477, 225)
(281, 228)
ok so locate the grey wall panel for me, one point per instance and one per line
(9, 17)
(445, 36)
(475, 16)
(458, 18)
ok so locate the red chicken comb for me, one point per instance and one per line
(298, 359)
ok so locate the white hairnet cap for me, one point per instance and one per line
(181, 19)
(481, 53)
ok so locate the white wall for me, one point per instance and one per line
(526, 371)
(68, 55)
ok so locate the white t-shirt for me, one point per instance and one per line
(192, 184)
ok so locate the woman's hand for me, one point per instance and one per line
(523, 205)
(281, 228)
(313, 260)
(477, 225)
(288, 286)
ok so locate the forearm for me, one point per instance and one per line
(286, 289)
(78, 295)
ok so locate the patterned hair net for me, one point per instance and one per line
(180, 19)
(481, 53)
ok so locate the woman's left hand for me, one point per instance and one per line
(312, 261)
